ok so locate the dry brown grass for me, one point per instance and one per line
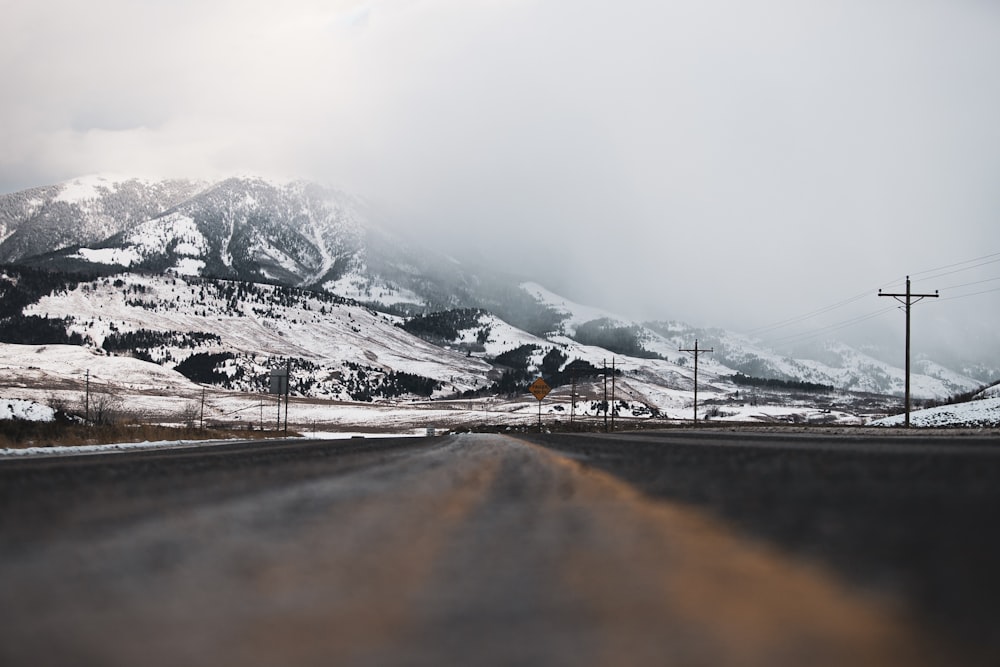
(22, 434)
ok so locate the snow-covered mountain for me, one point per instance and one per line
(294, 233)
(82, 212)
(188, 252)
(840, 366)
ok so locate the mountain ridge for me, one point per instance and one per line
(308, 236)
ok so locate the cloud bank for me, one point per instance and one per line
(729, 163)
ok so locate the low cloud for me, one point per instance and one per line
(727, 163)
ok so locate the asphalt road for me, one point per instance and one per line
(663, 549)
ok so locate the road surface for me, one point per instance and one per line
(475, 549)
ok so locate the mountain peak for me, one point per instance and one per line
(299, 233)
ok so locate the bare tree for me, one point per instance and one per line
(106, 409)
(60, 403)
(190, 414)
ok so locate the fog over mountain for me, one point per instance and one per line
(732, 164)
(318, 246)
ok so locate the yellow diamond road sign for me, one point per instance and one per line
(540, 388)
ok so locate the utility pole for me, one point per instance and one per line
(86, 400)
(613, 397)
(696, 352)
(279, 385)
(288, 387)
(605, 363)
(572, 396)
(908, 299)
(203, 408)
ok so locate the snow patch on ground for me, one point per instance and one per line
(189, 267)
(179, 444)
(24, 410)
(980, 414)
(117, 256)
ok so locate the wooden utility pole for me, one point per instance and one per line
(288, 387)
(613, 397)
(908, 299)
(572, 396)
(605, 363)
(279, 385)
(696, 352)
(86, 400)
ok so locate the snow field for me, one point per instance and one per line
(983, 413)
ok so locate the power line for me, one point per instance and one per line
(962, 296)
(819, 311)
(976, 262)
(968, 268)
(908, 299)
(940, 271)
(968, 261)
(843, 324)
(804, 335)
(974, 282)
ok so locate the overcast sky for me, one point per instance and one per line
(726, 162)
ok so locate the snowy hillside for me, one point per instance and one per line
(337, 349)
(841, 366)
(83, 211)
(161, 340)
(989, 392)
(572, 314)
(833, 364)
(170, 334)
(983, 413)
(301, 234)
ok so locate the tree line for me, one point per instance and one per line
(772, 383)
(446, 325)
(623, 340)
